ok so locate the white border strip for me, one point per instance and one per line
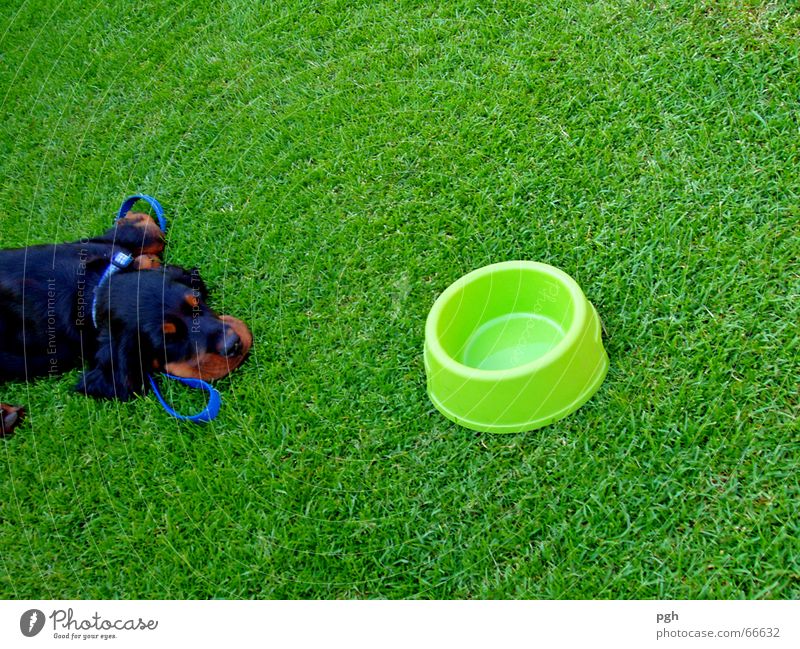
(378, 624)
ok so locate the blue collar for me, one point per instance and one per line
(119, 261)
(122, 260)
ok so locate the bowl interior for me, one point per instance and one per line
(505, 319)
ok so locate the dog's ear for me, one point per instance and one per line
(136, 232)
(120, 366)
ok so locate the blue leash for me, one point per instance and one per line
(214, 398)
(206, 414)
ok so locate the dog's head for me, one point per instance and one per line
(152, 320)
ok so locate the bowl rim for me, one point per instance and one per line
(579, 302)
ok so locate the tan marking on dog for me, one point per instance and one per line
(146, 262)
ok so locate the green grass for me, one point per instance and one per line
(331, 168)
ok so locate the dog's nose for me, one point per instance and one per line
(231, 344)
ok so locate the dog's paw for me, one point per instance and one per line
(10, 418)
(139, 232)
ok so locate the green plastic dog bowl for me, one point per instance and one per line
(513, 347)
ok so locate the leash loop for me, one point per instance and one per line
(129, 202)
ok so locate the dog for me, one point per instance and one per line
(72, 305)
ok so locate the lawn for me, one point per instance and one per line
(331, 168)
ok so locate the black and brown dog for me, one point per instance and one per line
(149, 316)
